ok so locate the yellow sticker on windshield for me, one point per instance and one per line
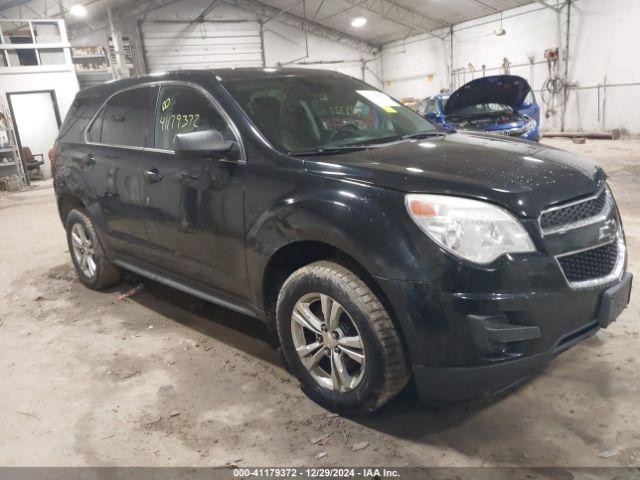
(389, 109)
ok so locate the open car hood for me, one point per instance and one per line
(509, 90)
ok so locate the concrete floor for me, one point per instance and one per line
(164, 379)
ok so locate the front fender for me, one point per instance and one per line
(366, 222)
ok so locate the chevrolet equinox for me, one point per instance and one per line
(379, 247)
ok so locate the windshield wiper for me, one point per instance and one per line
(366, 144)
(425, 134)
(327, 150)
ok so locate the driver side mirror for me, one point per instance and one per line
(205, 143)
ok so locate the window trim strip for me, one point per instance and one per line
(583, 222)
(212, 101)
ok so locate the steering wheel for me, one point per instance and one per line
(343, 132)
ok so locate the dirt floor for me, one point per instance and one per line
(164, 379)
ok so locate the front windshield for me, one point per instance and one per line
(304, 113)
(481, 109)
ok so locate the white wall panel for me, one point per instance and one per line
(63, 83)
(415, 68)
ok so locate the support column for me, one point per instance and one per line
(565, 61)
(120, 68)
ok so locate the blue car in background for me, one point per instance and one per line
(500, 104)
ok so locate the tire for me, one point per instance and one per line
(92, 266)
(336, 376)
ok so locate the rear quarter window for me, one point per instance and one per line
(78, 117)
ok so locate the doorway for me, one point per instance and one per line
(37, 122)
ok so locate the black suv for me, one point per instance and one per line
(379, 247)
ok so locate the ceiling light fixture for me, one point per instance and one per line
(78, 10)
(358, 22)
(500, 31)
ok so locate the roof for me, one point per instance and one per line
(221, 74)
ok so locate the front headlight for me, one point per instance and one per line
(471, 229)
(530, 125)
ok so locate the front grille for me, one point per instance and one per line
(590, 264)
(575, 212)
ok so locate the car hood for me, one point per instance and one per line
(509, 90)
(522, 176)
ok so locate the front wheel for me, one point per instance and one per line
(338, 339)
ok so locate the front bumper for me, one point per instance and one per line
(533, 135)
(451, 364)
(458, 384)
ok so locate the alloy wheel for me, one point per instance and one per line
(328, 342)
(83, 250)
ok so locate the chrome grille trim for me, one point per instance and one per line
(616, 272)
(603, 215)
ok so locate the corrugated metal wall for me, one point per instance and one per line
(180, 45)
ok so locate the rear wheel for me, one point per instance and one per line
(92, 266)
(338, 339)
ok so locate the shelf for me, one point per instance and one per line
(7, 164)
(90, 56)
(98, 70)
(6, 150)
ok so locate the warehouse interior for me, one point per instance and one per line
(410, 50)
(144, 375)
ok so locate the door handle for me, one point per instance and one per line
(90, 161)
(153, 175)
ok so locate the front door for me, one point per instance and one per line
(195, 217)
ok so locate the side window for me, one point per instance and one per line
(182, 109)
(123, 120)
(421, 107)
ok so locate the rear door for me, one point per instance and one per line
(195, 217)
(116, 140)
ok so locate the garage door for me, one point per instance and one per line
(172, 46)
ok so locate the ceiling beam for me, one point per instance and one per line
(266, 12)
(208, 10)
(129, 10)
(486, 5)
(7, 4)
(400, 15)
(555, 8)
(262, 10)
